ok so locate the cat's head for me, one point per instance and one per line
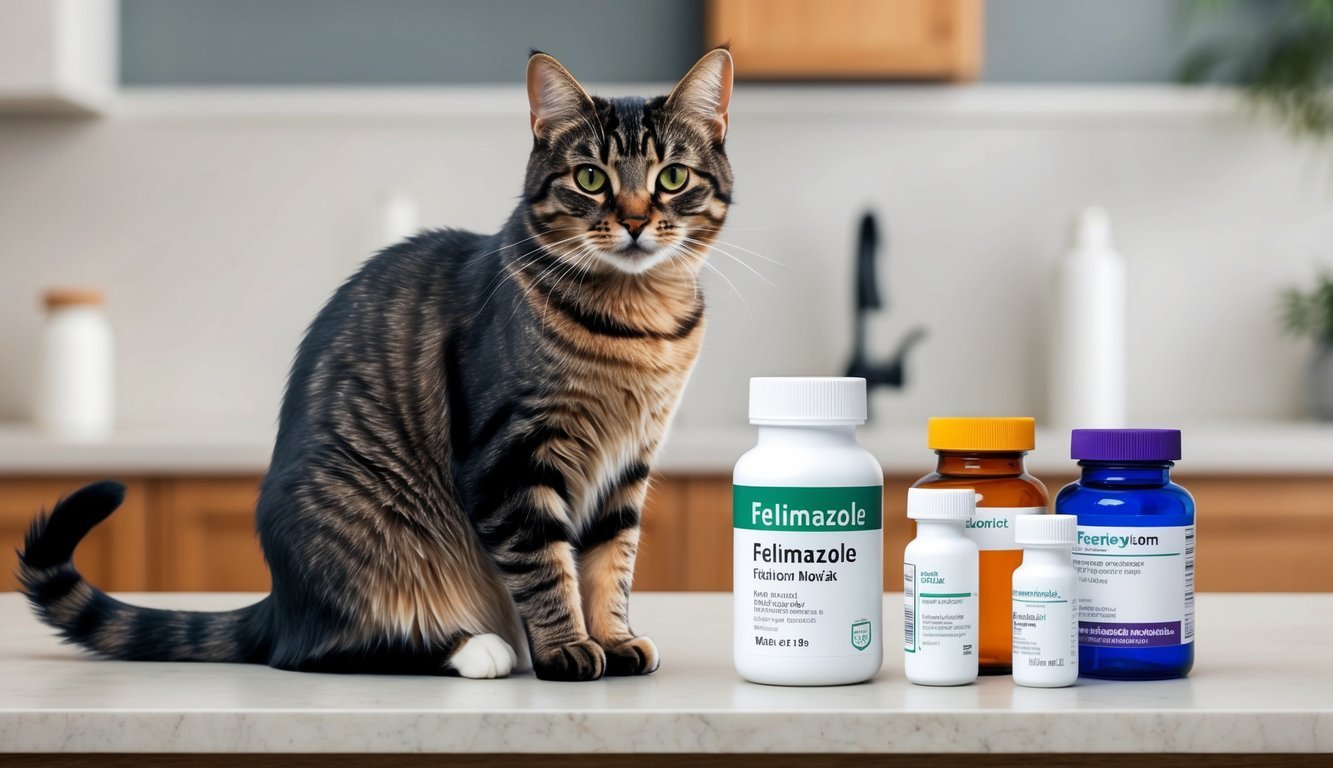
(628, 184)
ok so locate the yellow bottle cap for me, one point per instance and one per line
(1009, 433)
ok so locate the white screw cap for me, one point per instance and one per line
(941, 503)
(1045, 530)
(797, 400)
(1092, 228)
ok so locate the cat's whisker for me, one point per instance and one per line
(585, 254)
(674, 254)
(505, 273)
(520, 242)
(574, 260)
(730, 244)
(584, 276)
(565, 266)
(704, 261)
(736, 259)
(551, 246)
(517, 264)
(730, 228)
(544, 246)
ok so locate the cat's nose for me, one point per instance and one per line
(634, 225)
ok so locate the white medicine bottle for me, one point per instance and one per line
(1046, 602)
(941, 613)
(807, 517)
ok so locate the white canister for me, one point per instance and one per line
(76, 391)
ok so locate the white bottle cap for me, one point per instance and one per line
(796, 400)
(941, 503)
(399, 217)
(1092, 228)
(1045, 530)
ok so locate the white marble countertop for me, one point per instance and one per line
(1261, 448)
(1263, 682)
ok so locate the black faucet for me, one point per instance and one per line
(888, 373)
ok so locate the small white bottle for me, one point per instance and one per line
(1088, 349)
(1046, 602)
(940, 588)
(76, 390)
(807, 515)
(400, 218)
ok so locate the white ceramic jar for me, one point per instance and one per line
(76, 390)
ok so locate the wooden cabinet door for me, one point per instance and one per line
(708, 539)
(1263, 534)
(204, 535)
(113, 557)
(845, 39)
(660, 565)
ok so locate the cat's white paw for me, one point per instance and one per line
(484, 656)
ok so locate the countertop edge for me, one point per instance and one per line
(1237, 701)
(666, 732)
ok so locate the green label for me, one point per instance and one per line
(764, 508)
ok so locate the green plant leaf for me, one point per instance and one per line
(1286, 66)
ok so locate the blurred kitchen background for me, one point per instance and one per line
(215, 168)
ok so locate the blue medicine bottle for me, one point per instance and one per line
(1134, 553)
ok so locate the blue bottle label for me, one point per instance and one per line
(1135, 585)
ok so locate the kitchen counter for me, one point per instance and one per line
(1251, 448)
(1263, 683)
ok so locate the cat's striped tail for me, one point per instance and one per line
(86, 616)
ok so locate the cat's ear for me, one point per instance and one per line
(705, 91)
(553, 94)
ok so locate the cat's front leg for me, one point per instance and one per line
(529, 539)
(606, 571)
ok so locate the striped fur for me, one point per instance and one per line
(465, 443)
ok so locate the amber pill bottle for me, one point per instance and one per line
(986, 455)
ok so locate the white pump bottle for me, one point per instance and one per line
(1088, 347)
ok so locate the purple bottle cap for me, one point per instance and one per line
(1125, 444)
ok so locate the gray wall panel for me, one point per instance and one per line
(293, 42)
(284, 42)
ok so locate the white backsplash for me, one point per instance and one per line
(218, 224)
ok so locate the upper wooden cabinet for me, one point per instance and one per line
(849, 39)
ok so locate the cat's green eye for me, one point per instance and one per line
(590, 178)
(673, 177)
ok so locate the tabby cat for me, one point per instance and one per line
(464, 446)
